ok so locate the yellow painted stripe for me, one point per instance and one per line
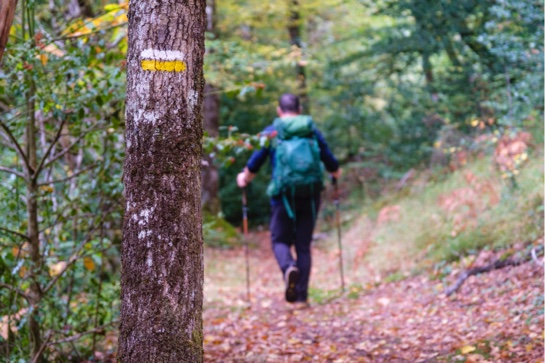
(166, 66)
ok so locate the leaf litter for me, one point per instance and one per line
(495, 317)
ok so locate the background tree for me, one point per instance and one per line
(7, 12)
(211, 113)
(162, 255)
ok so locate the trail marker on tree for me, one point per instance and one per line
(162, 255)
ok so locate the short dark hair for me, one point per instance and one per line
(289, 103)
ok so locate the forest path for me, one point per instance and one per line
(495, 317)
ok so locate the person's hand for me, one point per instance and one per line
(336, 174)
(244, 178)
(242, 181)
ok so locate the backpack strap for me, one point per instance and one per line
(313, 205)
(287, 205)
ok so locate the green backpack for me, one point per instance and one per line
(298, 169)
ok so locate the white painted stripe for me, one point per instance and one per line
(166, 55)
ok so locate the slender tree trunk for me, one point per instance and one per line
(7, 12)
(211, 108)
(33, 228)
(162, 251)
(294, 30)
(428, 73)
(210, 175)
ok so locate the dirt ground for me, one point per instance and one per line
(495, 317)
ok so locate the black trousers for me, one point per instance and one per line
(287, 232)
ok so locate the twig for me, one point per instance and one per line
(6, 141)
(11, 171)
(405, 178)
(38, 355)
(17, 146)
(69, 177)
(75, 255)
(65, 150)
(77, 336)
(71, 260)
(58, 218)
(15, 290)
(53, 142)
(479, 270)
(14, 232)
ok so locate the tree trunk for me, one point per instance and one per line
(162, 251)
(210, 176)
(428, 74)
(211, 112)
(7, 12)
(33, 229)
(294, 30)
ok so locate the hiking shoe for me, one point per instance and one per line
(301, 305)
(291, 278)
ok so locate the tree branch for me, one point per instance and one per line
(14, 172)
(57, 219)
(70, 177)
(37, 356)
(17, 146)
(14, 232)
(77, 336)
(75, 255)
(15, 290)
(46, 155)
(65, 150)
(479, 270)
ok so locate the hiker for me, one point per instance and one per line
(297, 150)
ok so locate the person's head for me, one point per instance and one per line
(288, 105)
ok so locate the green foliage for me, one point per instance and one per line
(219, 233)
(69, 89)
(397, 80)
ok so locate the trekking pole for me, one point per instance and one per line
(338, 219)
(246, 248)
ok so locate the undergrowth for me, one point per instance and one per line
(445, 217)
(217, 232)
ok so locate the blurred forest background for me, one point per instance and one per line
(434, 109)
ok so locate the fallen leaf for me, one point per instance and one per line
(384, 301)
(467, 349)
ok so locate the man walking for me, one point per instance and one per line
(297, 151)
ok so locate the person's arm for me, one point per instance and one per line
(253, 165)
(327, 157)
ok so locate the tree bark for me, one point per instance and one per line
(162, 251)
(33, 229)
(7, 12)
(428, 73)
(294, 30)
(211, 113)
(210, 176)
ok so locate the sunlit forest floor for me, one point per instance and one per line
(494, 317)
